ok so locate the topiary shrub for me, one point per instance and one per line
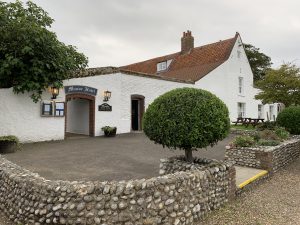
(186, 118)
(289, 118)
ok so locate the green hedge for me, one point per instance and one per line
(187, 118)
(289, 118)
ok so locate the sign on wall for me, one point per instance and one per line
(52, 108)
(80, 89)
(105, 107)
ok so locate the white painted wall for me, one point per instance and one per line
(20, 116)
(122, 87)
(78, 116)
(148, 87)
(224, 83)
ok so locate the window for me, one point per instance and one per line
(239, 54)
(163, 65)
(260, 112)
(241, 85)
(241, 110)
(271, 112)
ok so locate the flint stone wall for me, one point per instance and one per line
(177, 198)
(268, 158)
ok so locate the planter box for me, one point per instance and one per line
(7, 147)
(269, 158)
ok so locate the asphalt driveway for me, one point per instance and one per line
(127, 156)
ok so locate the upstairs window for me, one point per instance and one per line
(239, 54)
(241, 85)
(163, 65)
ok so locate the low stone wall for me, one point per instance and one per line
(268, 158)
(177, 198)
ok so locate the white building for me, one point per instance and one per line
(221, 68)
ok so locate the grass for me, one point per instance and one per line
(242, 127)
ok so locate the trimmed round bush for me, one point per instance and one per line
(289, 118)
(186, 118)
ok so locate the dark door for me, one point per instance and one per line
(135, 114)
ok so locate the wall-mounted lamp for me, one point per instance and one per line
(106, 95)
(54, 91)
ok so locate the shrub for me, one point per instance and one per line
(263, 142)
(289, 118)
(282, 133)
(186, 118)
(244, 141)
(10, 138)
(268, 125)
(109, 131)
(268, 135)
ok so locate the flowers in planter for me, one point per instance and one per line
(9, 144)
(109, 131)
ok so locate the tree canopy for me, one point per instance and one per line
(259, 62)
(31, 56)
(187, 118)
(281, 85)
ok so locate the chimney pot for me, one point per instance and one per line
(187, 42)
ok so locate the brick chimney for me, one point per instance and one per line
(187, 42)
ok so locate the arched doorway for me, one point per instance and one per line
(137, 112)
(80, 114)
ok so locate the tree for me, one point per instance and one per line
(186, 118)
(281, 85)
(259, 62)
(31, 56)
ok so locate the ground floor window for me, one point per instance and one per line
(241, 110)
(271, 112)
(260, 111)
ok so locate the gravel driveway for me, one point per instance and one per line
(276, 202)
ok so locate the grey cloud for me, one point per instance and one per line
(118, 32)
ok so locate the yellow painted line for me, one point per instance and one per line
(262, 173)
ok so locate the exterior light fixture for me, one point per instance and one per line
(54, 91)
(107, 95)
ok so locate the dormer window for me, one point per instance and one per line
(161, 66)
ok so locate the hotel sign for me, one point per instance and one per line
(78, 89)
(105, 107)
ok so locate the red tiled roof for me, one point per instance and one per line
(191, 66)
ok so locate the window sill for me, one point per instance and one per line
(241, 95)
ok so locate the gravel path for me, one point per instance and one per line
(275, 202)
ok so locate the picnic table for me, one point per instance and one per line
(247, 121)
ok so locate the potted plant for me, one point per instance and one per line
(109, 131)
(8, 144)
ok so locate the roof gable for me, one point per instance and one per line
(191, 66)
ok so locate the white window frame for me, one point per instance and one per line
(241, 109)
(241, 85)
(260, 111)
(161, 66)
(271, 112)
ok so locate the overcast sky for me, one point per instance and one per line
(119, 32)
